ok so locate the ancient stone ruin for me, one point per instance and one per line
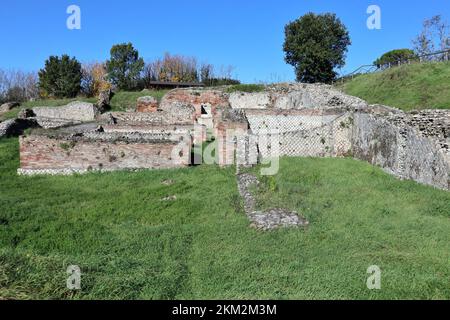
(295, 120)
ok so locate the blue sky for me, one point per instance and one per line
(247, 34)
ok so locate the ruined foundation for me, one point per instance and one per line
(303, 120)
(96, 151)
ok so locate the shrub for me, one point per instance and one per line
(94, 79)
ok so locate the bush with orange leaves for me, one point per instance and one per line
(94, 79)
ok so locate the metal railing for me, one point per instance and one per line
(440, 56)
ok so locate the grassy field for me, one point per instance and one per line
(409, 87)
(132, 245)
(121, 101)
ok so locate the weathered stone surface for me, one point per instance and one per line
(290, 96)
(271, 219)
(15, 127)
(167, 182)
(292, 100)
(244, 100)
(183, 116)
(26, 113)
(169, 198)
(104, 100)
(73, 112)
(6, 127)
(179, 112)
(312, 96)
(303, 132)
(276, 218)
(8, 106)
(245, 183)
(147, 104)
(394, 144)
(429, 123)
(229, 126)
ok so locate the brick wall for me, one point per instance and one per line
(42, 154)
(197, 98)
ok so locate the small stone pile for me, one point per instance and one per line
(265, 220)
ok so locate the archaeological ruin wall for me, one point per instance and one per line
(303, 132)
(97, 151)
(320, 122)
(401, 148)
(294, 120)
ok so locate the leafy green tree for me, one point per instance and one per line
(315, 45)
(61, 77)
(125, 66)
(394, 57)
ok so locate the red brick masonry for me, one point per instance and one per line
(45, 153)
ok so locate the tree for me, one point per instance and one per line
(206, 73)
(94, 79)
(434, 36)
(315, 45)
(125, 66)
(395, 57)
(178, 68)
(61, 77)
(18, 86)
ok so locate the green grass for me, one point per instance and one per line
(131, 245)
(11, 114)
(121, 101)
(124, 100)
(246, 88)
(55, 102)
(409, 87)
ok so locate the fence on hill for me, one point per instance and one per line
(439, 56)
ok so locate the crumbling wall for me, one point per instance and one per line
(302, 133)
(198, 132)
(40, 154)
(160, 118)
(288, 96)
(73, 113)
(400, 150)
(282, 120)
(230, 125)
(14, 127)
(196, 98)
(255, 100)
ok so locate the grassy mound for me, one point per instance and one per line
(121, 101)
(409, 87)
(131, 244)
